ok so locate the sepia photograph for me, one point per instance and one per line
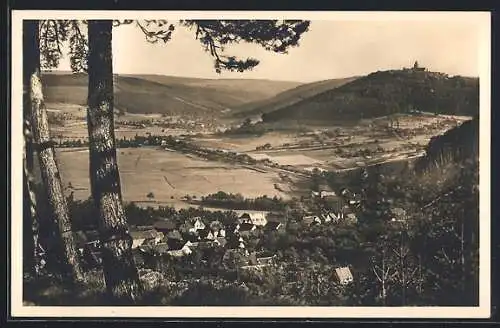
(250, 164)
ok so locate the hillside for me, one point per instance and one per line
(387, 92)
(288, 97)
(245, 90)
(454, 146)
(164, 94)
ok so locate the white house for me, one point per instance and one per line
(185, 250)
(197, 224)
(344, 275)
(149, 236)
(324, 194)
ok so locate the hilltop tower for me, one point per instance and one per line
(417, 67)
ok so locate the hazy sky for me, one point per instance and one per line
(330, 49)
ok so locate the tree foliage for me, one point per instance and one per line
(215, 36)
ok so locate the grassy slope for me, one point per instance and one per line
(383, 93)
(288, 97)
(163, 94)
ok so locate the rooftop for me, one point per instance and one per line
(165, 225)
(344, 274)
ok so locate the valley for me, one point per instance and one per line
(280, 157)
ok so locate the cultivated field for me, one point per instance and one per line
(169, 176)
(344, 146)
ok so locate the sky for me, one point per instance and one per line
(330, 49)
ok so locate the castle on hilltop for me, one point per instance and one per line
(416, 67)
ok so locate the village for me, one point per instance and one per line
(221, 248)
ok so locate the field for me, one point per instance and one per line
(75, 125)
(344, 146)
(169, 176)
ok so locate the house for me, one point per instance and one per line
(138, 238)
(201, 244)
(145, 237)
(246, 229)
(311, 220)
(273, 226)
(217, 229)
(350, 197)
(344, 275)
(165, 226)
(197, 224)
(326, 193)
(187, 227)
(183, 251)
(206, 234)
(397, 214)
(331, 217)
(192, 225)
(315, 194)
(255, 218)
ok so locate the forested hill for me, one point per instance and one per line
(387, 92)
(288, 97)
(454, 146)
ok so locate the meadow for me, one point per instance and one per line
(169, 176)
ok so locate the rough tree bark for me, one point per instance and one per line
(50, 172)
(30, 223)
(120, 272)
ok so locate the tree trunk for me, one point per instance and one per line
(384, 291)
(120, 272)
(48, 167)
(31, 57)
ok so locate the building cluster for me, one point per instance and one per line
(179, 239)
(332, 207)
